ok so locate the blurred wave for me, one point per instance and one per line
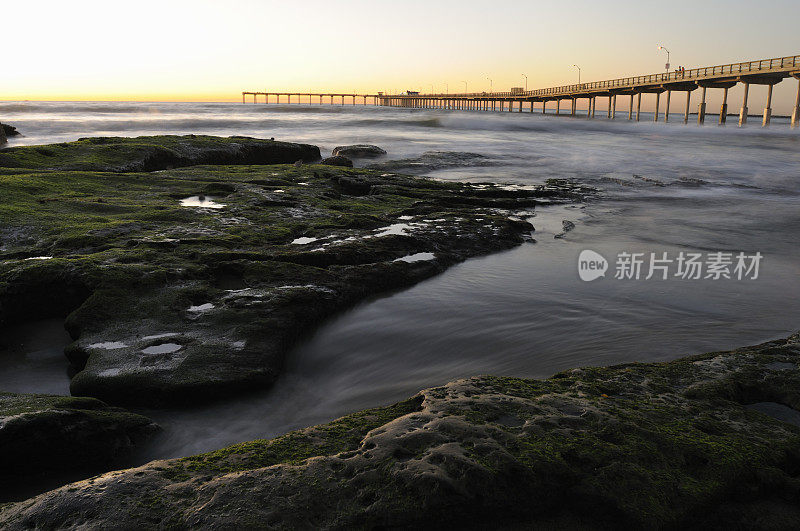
(665, 187)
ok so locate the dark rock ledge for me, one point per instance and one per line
(53, 434)
(337, 160)
(8, 130)
(187, 284)
(114, 154)
(359, 151)
(676, 445)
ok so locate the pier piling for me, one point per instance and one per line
(768, 108)
(638, 106)
(655, 114)
(701, 107)
(723, 111)
(688, 102)
(743, 110)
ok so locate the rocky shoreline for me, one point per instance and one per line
(7, 131)
(674, 445)
(186, 268)
(183, 282)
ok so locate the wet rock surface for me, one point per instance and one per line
(356, 151)
(9, 130)
(638, 446)
(338, 160)
(188, 284)
(566, 226)
(119, 154)
(434, 160)
(43, 433)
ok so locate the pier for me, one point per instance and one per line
(329, 98)
(768, 72)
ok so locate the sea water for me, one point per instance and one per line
(662, 188)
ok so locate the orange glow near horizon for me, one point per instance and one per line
(139, 97)
(207, 51)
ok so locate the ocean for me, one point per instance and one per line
(663, 189)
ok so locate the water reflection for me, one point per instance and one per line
(201, 201)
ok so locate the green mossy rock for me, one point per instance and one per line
(170, 303)
(358, 151)
(43, 433)
(8, 131)
(678, 445)
(151, 153)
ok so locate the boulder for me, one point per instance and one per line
(53, 434)
(338, 160)
(567, 226)
(9, 130)
(359, 151)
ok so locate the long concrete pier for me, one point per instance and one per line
(329, 98)
(768, 72)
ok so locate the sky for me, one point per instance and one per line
(204, 50)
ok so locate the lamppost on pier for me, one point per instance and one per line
(526, 82)
(662, 48)
(431, 88)
(579, 73)
(447, 88)
(491, 86)
(465, 86)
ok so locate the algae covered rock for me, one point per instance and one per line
(566, 226)
(120, 154)
(356, 151)
(188, 284)
(8, 130)
(675, 445)
(55, 433)
(433, 161)
(338, 160)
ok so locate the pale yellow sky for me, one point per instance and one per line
(212, 50)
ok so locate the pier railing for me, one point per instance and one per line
(764, 66)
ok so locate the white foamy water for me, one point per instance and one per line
(304, 240)
(524, 312)
(201, 202)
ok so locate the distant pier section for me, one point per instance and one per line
(768, 72)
